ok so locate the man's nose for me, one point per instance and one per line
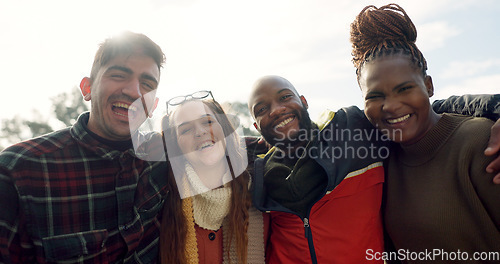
(133, 89)
(277, 109)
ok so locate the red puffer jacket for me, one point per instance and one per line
(345, 224)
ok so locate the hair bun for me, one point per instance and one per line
(374, 27)
(388, 22)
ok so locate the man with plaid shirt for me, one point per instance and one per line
(83, 194)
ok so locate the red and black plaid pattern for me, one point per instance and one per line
(67, 198)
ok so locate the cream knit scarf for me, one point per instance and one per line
(209, 210)
(210, 207)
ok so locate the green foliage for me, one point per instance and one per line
(38, 128)
(69, 105)
(241, 111)
(66, 109)
(11, 130)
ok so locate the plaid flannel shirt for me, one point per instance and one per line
(67, 198)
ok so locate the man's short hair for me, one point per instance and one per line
(126, 43)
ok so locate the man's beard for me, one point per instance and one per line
(304, 133)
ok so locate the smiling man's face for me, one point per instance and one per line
(280, 114)
(117, 85)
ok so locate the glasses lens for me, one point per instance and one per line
(200, 94)
(177, 100)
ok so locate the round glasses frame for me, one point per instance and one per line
(182, 98)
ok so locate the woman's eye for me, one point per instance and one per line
(372, 97)
(185, 131)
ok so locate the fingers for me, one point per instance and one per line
(494, 143)
(492, 149)
(496, 179)
(494, 167)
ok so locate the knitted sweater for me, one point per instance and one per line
(439, 195)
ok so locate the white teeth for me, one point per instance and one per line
(399, 119)
(284, 122)
(126, 106)
(205, 145)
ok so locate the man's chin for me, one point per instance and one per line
(280, 142)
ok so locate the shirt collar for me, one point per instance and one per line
(79, 132)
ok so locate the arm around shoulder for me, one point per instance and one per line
(481, 105)
(487, 191)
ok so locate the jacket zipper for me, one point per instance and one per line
(308, 235)
(308, 231)
(307, 228)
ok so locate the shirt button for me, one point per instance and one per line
(211, 236)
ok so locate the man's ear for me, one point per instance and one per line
(85, 88)
(304, 101)
(256, 126)
(429, 85)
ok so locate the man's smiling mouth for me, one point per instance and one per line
(122, 109)
(284, 122)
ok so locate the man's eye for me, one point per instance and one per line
(148, 85)
(260, 111)
(286, 96)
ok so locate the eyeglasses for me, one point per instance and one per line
(181, 99)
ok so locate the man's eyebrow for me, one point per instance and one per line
(256, 105)
(284, 90)
(119, 68)
(129, 71)
(149, 77)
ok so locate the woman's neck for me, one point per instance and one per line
(433, 119)
(211, 176)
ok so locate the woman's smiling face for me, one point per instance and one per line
(199, 134)
(396, 98)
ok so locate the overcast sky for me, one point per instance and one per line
(48, 46)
